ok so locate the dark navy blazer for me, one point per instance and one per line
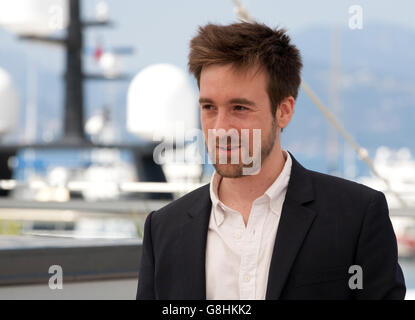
(327, 224)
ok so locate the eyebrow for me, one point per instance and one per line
(232, 101)
(205, 100)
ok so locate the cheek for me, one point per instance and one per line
(205, 127)
(206, 121)
(247, 138)
(260, 138)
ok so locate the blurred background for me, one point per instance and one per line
(89, 89)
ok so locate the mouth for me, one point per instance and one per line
(227, 149)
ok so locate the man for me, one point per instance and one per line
(279, 232)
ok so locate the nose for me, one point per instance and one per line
(225, 130)
(222, 121)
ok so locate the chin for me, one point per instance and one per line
(229, 171)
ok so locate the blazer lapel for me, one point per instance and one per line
(193, 241)
(294, 224)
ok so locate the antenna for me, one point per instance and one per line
(74, 93)
(74, 135)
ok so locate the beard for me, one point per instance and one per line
(230, 170)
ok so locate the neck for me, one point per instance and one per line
(247, 188)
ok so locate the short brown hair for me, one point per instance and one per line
(248, 44)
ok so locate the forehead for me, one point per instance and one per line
(231, 81)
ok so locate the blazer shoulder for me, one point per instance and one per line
(181, 205)
(336, 186)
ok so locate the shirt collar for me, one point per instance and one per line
(274, 192)
(279, 186)
(214, 186)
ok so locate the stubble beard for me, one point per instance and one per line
(230, 170)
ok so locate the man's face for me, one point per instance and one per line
(233, 100)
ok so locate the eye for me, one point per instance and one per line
(240, 108)
(207, 107)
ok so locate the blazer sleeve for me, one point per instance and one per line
(377, 254)
(145, 290)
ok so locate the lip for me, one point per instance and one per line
(226, 151)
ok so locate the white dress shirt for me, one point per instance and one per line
(238, 257)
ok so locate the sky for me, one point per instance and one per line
(160, 30)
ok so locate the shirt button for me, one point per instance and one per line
(238, 235)
(246, 278)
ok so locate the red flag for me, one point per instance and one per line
(98, 53)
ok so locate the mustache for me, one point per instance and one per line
(228, 143)
(231, 139)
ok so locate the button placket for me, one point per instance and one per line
(248, 269)
(255, 232)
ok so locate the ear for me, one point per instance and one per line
(285, 111)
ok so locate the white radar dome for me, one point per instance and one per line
(9, 103)
(35, 17)
(161, 98)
